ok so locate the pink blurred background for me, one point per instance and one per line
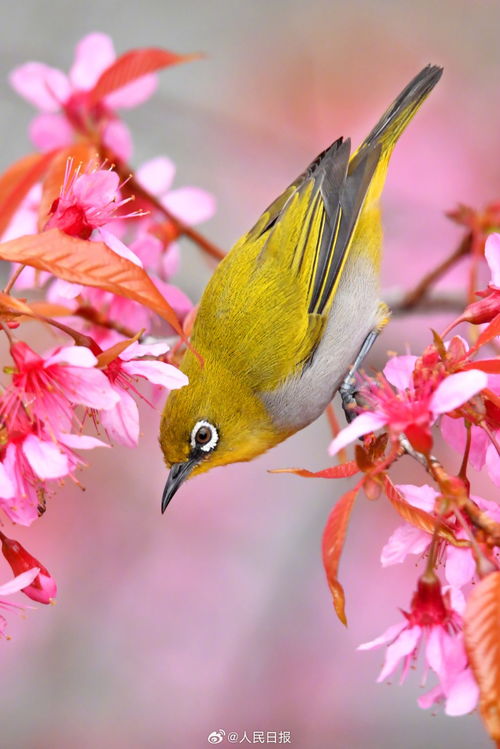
(217, 615)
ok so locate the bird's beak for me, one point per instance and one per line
(178, 473)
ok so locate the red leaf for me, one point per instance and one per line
(110, 354)
(482, 641)
(91, 264)
(419, 518)
(16, 182)
(488, 334)
(342, 471)
(490, 366)
(130, 66)
(332, 545)
(82, 153)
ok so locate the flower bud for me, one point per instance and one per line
(43, 588)
(428, 606)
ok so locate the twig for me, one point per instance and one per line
(13, 279)
(414, 297)
(446, 301)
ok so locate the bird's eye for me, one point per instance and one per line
(204, 436)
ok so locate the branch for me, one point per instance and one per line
(445, 301)
(415, 297)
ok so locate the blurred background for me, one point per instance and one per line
(217, 615)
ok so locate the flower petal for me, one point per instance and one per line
(122, 422)
(157, 372)
(429, 699)
(363, 424)
(399, 370)
(94, 53)
(96, 189)
(460, 566)
(402, 646)
(45, 87)
(456, 390)
(7, 488)
(117, 137)
(423, 497)
(192, 205)
(117, 246)
(405, 540)
(46, 460)
(149, 249)
(50, 130)
(156, 175)
(171, 260)
(19, 582)
(136, 350)
(462, 694)
(81, 441)
(492, 255)
(78, 356)
(389, 635)
(134, 93)
(64, 291)
(455, 434)
(493, 464)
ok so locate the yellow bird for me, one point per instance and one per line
(291, 311)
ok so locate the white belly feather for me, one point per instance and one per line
(354, 313)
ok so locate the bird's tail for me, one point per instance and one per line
(392, 123)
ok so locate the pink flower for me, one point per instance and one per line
(63, 100)
(13, 586)
(192, 205)
(49, 387)
(122, 422)
(434, 625)
(482, 453)
(460, 566)
(407, 539)
(412, 405)
(488, 306)
(86, 204)
(29, 459)
(43, 588)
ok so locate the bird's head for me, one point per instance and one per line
(215, 420)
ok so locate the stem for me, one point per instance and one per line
(463, 468)
(414, 297)
(13, 279)
(483, 563)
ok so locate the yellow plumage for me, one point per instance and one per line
(286, 312)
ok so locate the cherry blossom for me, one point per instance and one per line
(63, 101)
(122, 422)
(433, 625)
(49, 386)
(192, 205)
(13, 586)
(408, 406)
(87, 203)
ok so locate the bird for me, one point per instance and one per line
(291, 311)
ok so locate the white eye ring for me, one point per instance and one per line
(211, 443)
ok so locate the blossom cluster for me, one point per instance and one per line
(93, 246)
(451, 389)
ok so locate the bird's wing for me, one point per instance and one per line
(265, 307)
